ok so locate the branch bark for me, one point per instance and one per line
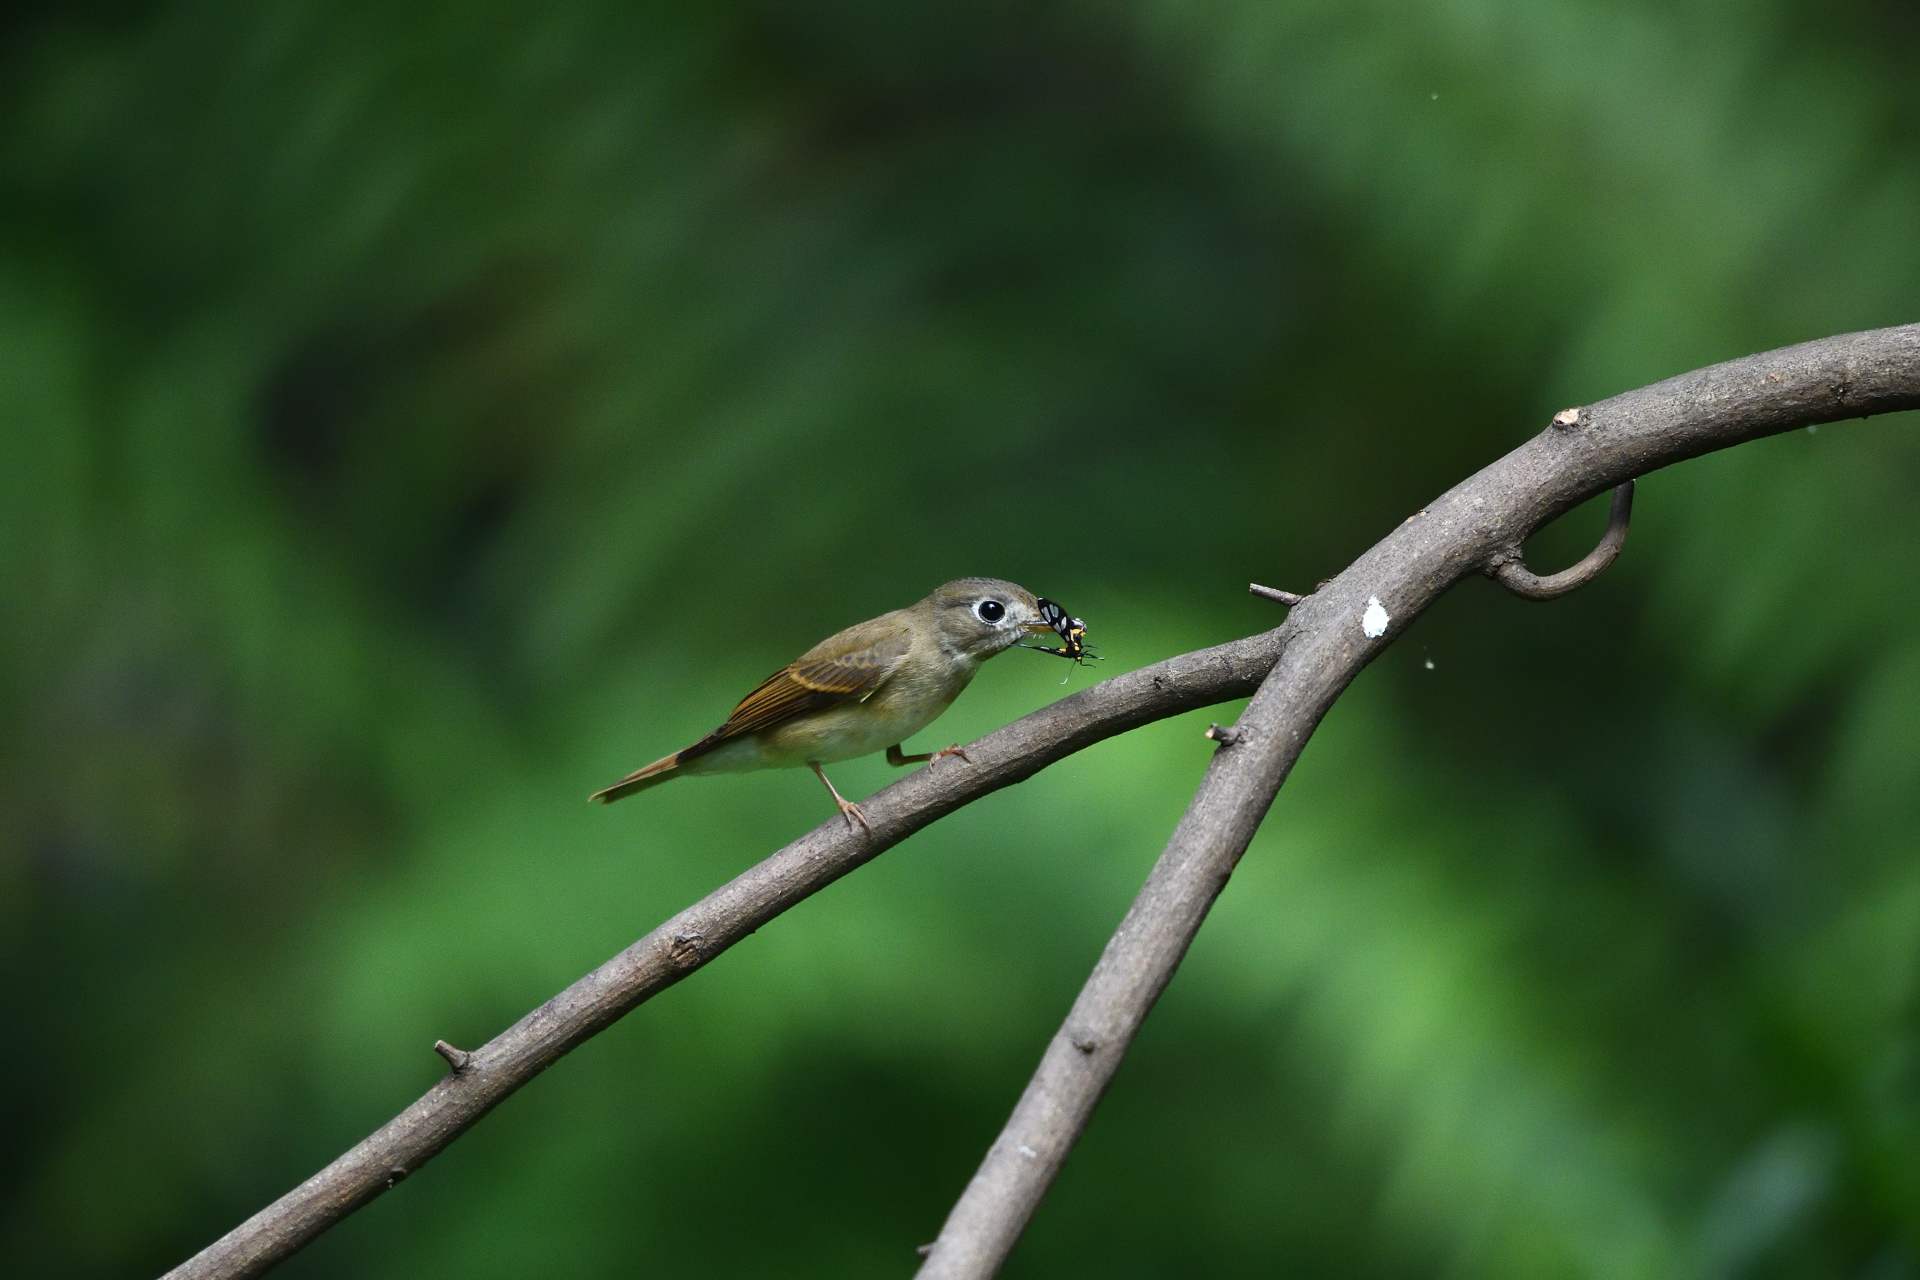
(1324, 643)
(1304, 664)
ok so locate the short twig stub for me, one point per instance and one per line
(456, 1058)
(687, 949)
(1288, 598)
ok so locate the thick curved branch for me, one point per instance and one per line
(484, 1077)
(1510, 569)
(1865, 378)
(1327, 638)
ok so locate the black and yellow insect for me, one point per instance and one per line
(1071, 630)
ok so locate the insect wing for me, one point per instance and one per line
(1071, 630)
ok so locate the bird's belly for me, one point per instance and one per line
(854, 728)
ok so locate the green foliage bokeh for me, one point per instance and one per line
(412, 419)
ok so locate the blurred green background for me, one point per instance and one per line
(414, 418)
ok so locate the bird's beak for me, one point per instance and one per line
(1039, 628)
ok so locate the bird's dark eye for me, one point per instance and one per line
(990, 610)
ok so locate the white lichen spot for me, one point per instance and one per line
(1028, 1152)
(1374, 620)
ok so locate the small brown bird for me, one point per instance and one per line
(865, 688)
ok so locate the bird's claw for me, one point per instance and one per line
(944, 752)
(853, 813)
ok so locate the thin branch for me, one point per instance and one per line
(486, 1076)
(1509, 569)
(1866, 373)
(1326, 641)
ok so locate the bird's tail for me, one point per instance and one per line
(652, 775)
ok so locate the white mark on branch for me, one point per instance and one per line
(1567, 419)
(1374, 621)
(1029, 1152)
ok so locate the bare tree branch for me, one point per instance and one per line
(482, 1078)
(1327, 638)
(1304, 664)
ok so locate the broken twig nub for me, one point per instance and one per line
(456, 1058)
(1287, 598)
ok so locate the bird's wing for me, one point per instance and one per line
(848, 667)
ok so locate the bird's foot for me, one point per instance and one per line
(848, 809)
(853, 813)
(943, 753)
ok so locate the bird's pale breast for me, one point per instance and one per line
(901, 707)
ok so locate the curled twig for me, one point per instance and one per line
(1510, 570)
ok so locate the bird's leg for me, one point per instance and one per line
(848, 809)
(931, 757)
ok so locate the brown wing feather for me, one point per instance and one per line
(850, 666)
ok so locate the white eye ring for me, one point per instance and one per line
(990, 612)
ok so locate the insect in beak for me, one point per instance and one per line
(1071, 630)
